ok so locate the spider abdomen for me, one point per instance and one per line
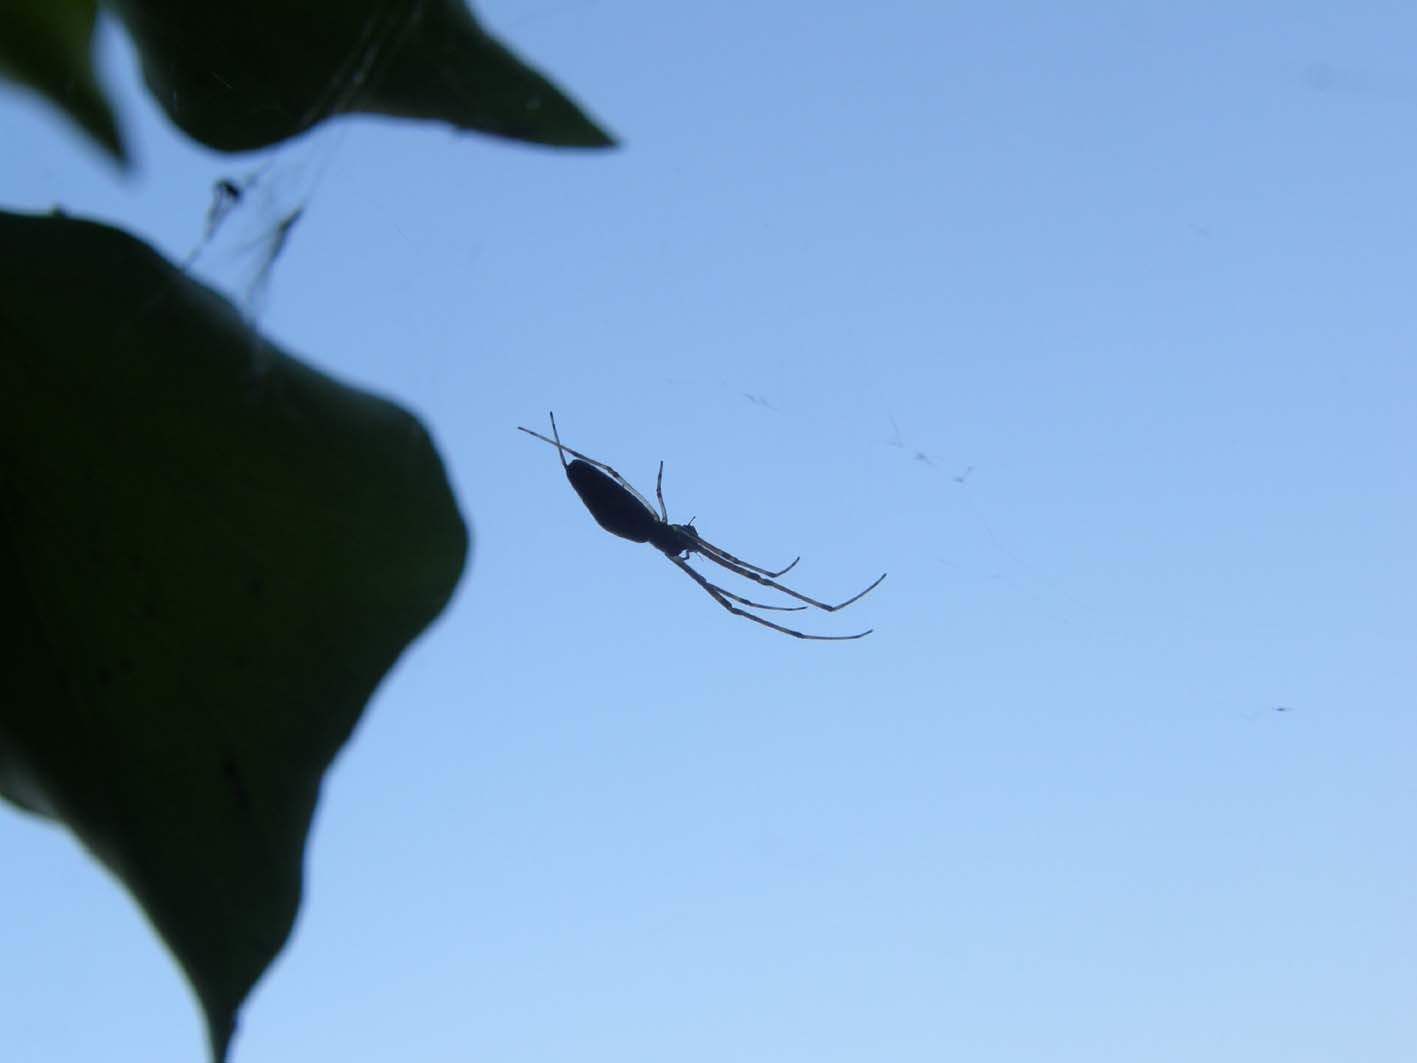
(614, 509)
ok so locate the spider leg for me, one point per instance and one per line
(560, 450)
(721, 596)
(591, 461)
(726, 556)
(759, 605)
(659, 493)
(664, 516)
(726, 560)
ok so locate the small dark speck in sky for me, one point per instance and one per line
(758, 400)
(899, 443)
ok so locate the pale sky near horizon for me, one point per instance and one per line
(1093, 326)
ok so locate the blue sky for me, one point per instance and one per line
(1141, 277)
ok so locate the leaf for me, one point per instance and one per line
(48, 45)
(238, 76)
(210, 554)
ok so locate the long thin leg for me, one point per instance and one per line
(760, 605)
(718, 593)
(726, 560)
(746, 564)
(588, 460)
(664, 516)
(560, 450)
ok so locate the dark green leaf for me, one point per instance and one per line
(210, 555)
(48, 45)
(238, 76)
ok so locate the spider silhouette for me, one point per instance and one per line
(621, 510)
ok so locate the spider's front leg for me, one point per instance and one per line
(722, 597)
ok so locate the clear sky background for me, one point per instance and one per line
(1141, 275)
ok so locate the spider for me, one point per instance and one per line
(621, 510)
